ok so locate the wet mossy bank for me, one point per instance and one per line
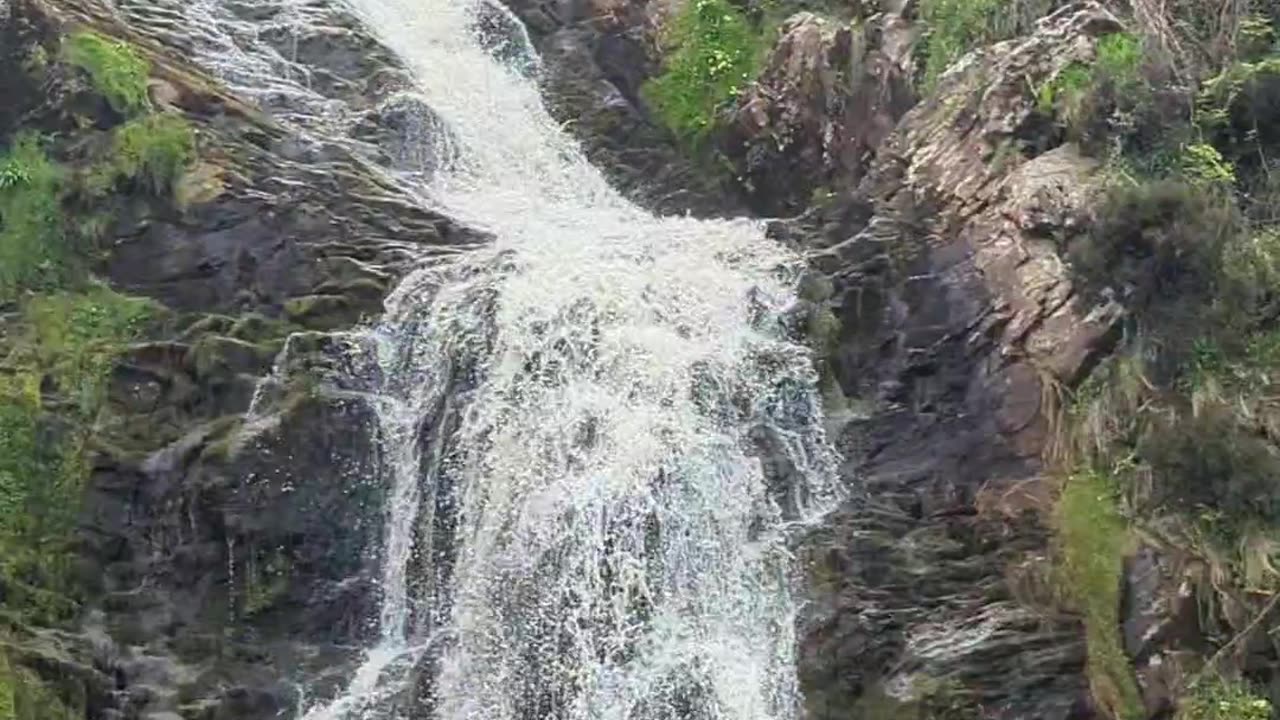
(159, 240)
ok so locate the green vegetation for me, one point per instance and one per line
(34, 248)
(64, 343)
(1202, 163)
(1080, 93)
(1235, 112)
(1119, 55)
(1093, 540)
(1223, 700)
(267, 581)
(153, 150)
(118, 71)
(953, 28)
(714, 51)
(24, 697)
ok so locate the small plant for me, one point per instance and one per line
(74, 338)
(1079, 91)
(1219, 699)
(1119, 55)
(1202, 163)
(1234, 110)
(152, 150)
(953, 28)
(1092, 541)
(1067, 91)
(117, 70)
(34, 248)
(13, 174)
(714, 54)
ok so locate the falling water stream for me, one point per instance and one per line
(578, 526)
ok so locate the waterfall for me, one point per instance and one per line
(568, 419)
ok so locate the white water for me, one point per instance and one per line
(618, 553)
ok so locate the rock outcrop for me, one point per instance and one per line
(958, 325)
(828, 96)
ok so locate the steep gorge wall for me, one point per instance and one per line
(210, 575)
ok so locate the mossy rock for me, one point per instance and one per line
(215, 356)
(24, 696)
(323, 312)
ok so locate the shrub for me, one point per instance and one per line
(1202, 163)
(1238, 111)
(1222, 700)
(1119, 56)
(152, 150)
(1161, 245)
(1205, 462)
(1092, 540)
(34, 248)
(117, 70)
(714, 52)
(1067, 93)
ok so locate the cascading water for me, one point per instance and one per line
(570, 411)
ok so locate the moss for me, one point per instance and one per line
(24, 697)
(219, 356)
(714, 53)
(118, 71)
(153, 151)
(929, 699)
(267, 581)
(1218, 699)
(1093, 539)
(74, 338)
(58, 365)
(35, 250)
(322, 312)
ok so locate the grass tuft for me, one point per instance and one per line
(714, 53)
(1218, 699)
(117, 70)
(1093, 540)
(153, 151)
(34, 246)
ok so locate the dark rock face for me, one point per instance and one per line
(827, 98)
(957, 321)
(596, 56)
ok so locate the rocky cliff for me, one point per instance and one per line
(1015, 543)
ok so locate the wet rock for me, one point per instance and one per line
(1160, 623)
(595, 59)
(410, 134)
(957, 314)
(828, 95)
